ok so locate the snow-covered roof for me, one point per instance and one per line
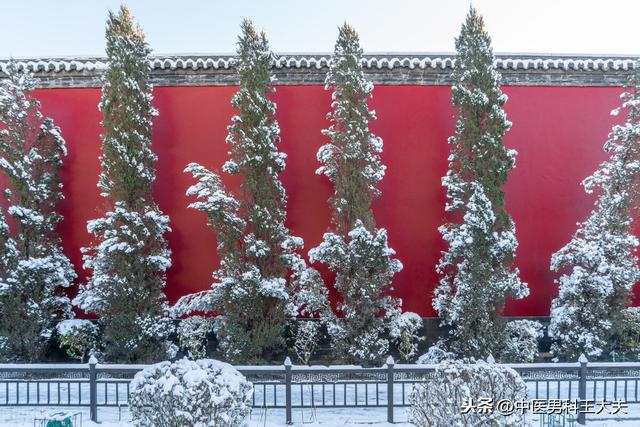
(384, 65)
(379, 61)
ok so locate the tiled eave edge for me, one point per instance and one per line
(302, 69)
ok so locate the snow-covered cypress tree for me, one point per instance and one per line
(355, 249)
(130, 255)
(8, 252)
(261, 280)
(476, 271)
(599, 264)
(33, 269)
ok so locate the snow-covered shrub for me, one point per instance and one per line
(154, 331)
(364, 266)
(78, 337)
(306, 339)
(436, 354)
(189, 393)
(439, 401)
(477, 273)
(404, 331)
(521, 341)
(192, 335)
(626, 337)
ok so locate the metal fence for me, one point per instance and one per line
(289, 387)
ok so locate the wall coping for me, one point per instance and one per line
(309, 69)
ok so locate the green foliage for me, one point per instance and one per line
(192, 336)
(405, 331)
(521, 341)
(128, 164)
(626, 334)
(307, 334)
(354, 248)
(262, 279)
(599, 264)
(476, 272)
(33, 268)
(78, 338)
(352, 159)
(130, 256)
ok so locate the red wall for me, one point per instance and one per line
(558, 132)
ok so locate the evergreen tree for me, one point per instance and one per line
(476, 272)
(8, 253)
(33, 268)
(600, 264)
(130, 256)
(354, 248)
(261, 280)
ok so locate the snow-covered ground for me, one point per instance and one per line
(114, 417)
(376, 417)
(273, 417)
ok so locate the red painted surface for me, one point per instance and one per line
(558, 132)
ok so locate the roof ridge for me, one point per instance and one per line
(388, 60)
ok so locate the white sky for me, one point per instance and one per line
(32, 28)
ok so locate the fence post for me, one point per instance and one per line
(582, 390)
(287, 388)
(93, 390)
(390, 363)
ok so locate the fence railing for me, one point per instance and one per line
(291, 387)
